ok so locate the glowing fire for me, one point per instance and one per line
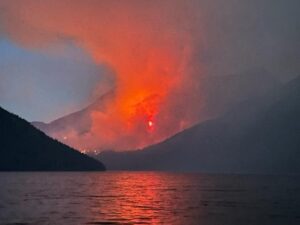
(149, 54)
(150, 123)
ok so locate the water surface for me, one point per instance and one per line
(148, 198)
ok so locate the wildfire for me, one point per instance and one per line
(150, 124)
(149, 55)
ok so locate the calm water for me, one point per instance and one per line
(148, 198)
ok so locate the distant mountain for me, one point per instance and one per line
(219, 94)
(79, 121)
(260, 135)
(25, 148)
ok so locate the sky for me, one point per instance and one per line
(58, 56)
(43, 86)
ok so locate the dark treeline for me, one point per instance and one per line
(25, 148)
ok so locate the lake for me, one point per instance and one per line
(148, 198)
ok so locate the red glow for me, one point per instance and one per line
(150, 124)
(149, 54)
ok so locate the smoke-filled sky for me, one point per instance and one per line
(57, 56)
(42, 86)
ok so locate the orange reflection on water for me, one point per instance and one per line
(138, 201)
(144, 199)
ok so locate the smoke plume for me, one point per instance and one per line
(159, 52)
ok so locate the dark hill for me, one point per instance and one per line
(260, 135)
(25, 148)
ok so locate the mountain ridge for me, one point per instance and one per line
(237, 136)
(25, 148)
(219, 94)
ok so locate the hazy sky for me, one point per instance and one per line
(43, 86)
